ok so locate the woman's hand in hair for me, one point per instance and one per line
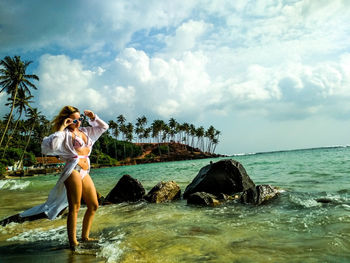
(66, 123)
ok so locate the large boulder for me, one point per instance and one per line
(262, 194)
(164, 192)
(127, 189)
(202, 198)
(223, 177)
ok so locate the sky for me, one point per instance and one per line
(270, 75)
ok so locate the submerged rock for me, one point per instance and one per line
(262, 194)
(164, 192)
(325, 200)
(127, 189)
(202, 198)
(226, 177)
(18, 219)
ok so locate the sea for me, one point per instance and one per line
(308, 222)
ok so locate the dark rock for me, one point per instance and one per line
(127, 189)
(164, 192)
(224, 197)
(262, 194)
(324, 200)
(18, 219)
(202, 198)
(226, 176)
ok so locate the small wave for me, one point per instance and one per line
(306, 203)
(110, 250)
(346, 207)
(108, 247)
(57, 234)
(243, 154)
(13, 184)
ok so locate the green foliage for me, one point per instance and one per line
(6, 162)
(150, 156)
(162, 149)
(116, 149)
(29, 159)
(35, 148)
(102, 158)
(2, 168)
(12, 155)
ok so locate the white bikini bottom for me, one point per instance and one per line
(82, 172)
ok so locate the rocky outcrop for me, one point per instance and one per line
(127, 189)
(203, 199)
(262, 194)
(223, 177)
(164, 192)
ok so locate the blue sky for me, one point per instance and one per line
(271, 75)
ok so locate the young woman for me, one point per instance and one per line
(73, 144)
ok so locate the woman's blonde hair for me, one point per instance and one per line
(65, 112)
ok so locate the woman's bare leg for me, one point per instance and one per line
(74, 191)
(90, 198)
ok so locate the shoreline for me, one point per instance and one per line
(134, 161)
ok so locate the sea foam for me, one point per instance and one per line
(58, 234)
(13, 184)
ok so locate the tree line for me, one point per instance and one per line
(24, 127)
(160, 131)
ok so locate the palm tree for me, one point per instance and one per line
(147, 132)
(186, 129)
(33, 117)
(172, 124)
(114, 127)
(210, 134)
(216, 139)
(12, 78)
(157, 127)
(129, 132)
(199, 135)
(22, 104)
(192, 133)
(215, 143)
(121, 119)
(139, 130)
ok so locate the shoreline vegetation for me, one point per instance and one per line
(152, 153)
(125, 143)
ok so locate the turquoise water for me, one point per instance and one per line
(293, 228)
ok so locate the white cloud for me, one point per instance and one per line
(168, 108)
(65, 82)
(123, 95)
(186, 37)
(280, 60)
(93, 25)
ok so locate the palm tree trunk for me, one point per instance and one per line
(10, 137)
(25, 148)
(10, 117)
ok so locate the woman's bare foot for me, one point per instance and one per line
(89, 239)
(73, 245)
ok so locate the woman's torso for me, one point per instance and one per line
(82, 145)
